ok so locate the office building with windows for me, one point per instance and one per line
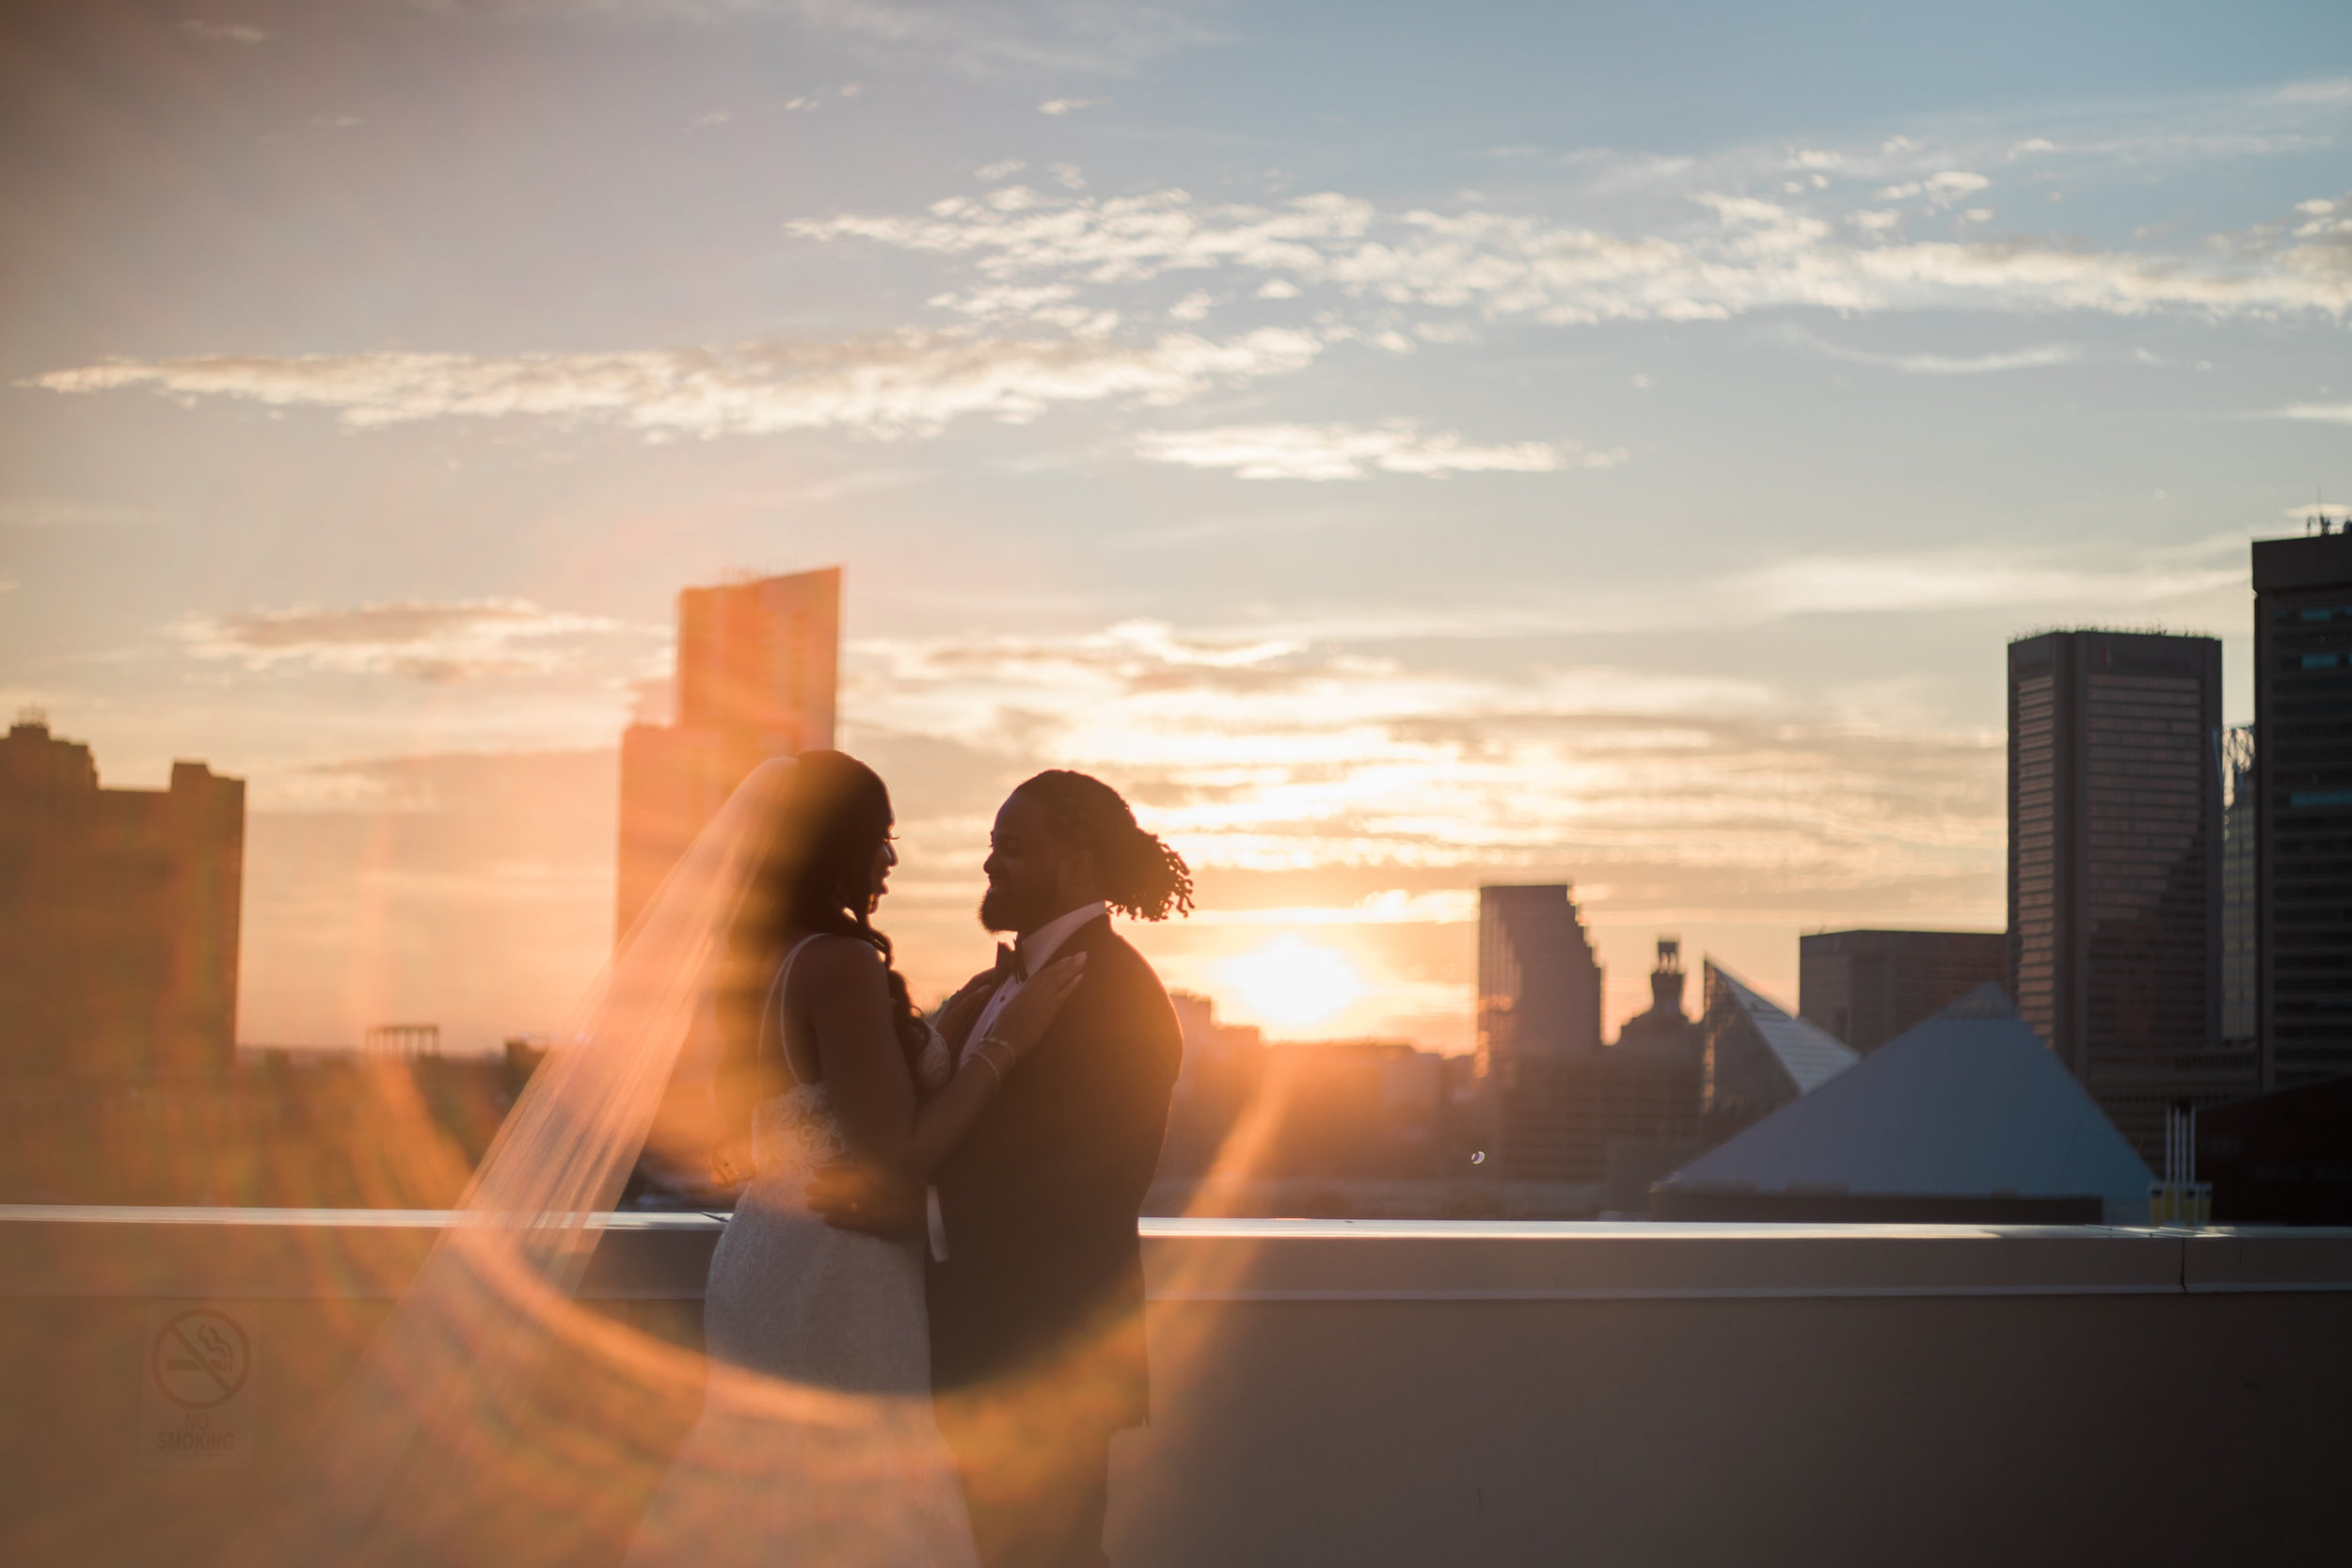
(758, 668)
(2303, 872)
(118, 915)
(1538, 1015)
(1868, 987)
(2115, 868)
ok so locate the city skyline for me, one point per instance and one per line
(1400, 460)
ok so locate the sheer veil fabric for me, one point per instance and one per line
(491, 1418)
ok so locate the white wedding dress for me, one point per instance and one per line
(816, 1443)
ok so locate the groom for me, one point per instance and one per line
(1036, 1274)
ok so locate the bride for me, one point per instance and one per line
(825, 1061)
(490, 1417)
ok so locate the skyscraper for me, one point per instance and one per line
(757, 667)
(1868, 987)
(2303, 873)
(118, 915)
(2115, 867)
(1538, 1012)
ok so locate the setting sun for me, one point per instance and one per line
(1292, 986)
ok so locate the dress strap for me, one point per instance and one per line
(772, 1009)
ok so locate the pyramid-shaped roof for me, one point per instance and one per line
(1809, 1054)
(1968, 1103)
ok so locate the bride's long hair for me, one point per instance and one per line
(833, 817)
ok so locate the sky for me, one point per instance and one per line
(1402, 447)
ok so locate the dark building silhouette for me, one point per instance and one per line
(1326, 1127)
(2281, 1158)
(758, 668)
(1352, 1108)
(2115, 868)
(2303, 717)
(1222, 1069)
(1538, 1015)
(119, 913)
(1665, 1031)
(1642, 1098)
(1868, 987)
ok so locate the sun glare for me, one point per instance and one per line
(1291, 985)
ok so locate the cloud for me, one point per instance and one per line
(1961, 580)
(1069, 105)
(1324, 451)
(1755, 255)
(433, 642)
(221, 32)
(1287, 757)
(2322, 413)
(1942, 190)
(2038, 357)
(894, 385)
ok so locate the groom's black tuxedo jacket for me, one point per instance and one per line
(1044, 1274)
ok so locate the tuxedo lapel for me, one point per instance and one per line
(986, 985)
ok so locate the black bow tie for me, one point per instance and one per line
(1008, 965)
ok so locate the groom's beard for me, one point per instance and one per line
(1015, 910)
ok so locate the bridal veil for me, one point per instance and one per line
(491, 1418)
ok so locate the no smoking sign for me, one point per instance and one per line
(198, 1385)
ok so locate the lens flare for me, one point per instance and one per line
(1291, 985)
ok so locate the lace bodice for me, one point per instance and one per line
(796, 1132)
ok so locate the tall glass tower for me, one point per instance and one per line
(2303, 714)
(2115, 869)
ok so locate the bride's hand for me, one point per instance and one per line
(1027, 1017)
(732, 1163)
(956, 1016)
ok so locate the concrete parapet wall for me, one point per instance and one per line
(1386, 1392)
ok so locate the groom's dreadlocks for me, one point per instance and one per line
(1141, 876)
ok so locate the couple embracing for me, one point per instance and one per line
(925, 1318)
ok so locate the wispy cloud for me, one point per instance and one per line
(1324, 451)
(909, 383)
(2036, 357)
(2322, 413)
(1755, 255)
(431, 642)
(1959, 580)
(1069, 105)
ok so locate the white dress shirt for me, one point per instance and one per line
(1037, 949)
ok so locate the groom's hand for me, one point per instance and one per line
(850, 1198)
